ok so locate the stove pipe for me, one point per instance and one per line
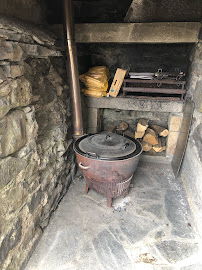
(72, 68)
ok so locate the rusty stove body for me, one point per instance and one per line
(108, 162)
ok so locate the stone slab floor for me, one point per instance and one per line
(151, 228)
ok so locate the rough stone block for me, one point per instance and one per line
(12, 133)
(6, 87)
(10, 167)
(198, 95)
(171, 142)
(174, 122)
(174, 251)
(19, 96)
(11, 51)
(10, 240)
(16, 71)
(35, 201)
(2, 75)
(32, 126)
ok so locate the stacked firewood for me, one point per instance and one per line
(152, 137)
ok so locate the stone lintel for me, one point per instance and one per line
(130, 104)
(158, 32)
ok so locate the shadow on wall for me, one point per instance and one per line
(27, 10)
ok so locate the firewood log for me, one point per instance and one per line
(142, 125)
(160, 130)
(161, 146)
(146, 146)
(151, 137)
(139, 135)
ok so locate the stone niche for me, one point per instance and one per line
(107, 112)
(36, 156)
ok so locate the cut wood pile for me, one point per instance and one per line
(152, 137)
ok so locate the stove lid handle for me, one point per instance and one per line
(92, 154)
(83, 167)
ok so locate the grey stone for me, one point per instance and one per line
(149, 195)
(26, 32)
(191, 176)
(155, 209)
(11, 51)
(10, 167)
(174, 251)
(5, 65)
(13, 133)
(110, 252)
(6, 87)
(132, 104)
(16, 71)
(136, 228)
(2, 76)
(198, 95)
(35, 201)
(197, 136)
(192, 267)
(179, 214)
(10, 240)
(161, 32)
(18, 95)
(137, 179)
(39, 51)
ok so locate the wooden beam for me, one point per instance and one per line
(158, 32)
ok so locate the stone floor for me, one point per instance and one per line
(151, 228)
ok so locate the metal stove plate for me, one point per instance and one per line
(107, 145)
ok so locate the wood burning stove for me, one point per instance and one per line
(108, 162)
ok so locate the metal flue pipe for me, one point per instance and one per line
(72, 68)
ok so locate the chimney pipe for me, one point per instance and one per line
(72, 68)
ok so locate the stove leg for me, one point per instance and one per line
(109, 202)
(86, 189)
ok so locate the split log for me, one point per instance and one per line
(146, 146)
(123, 126)
(161, 146)
(142, 125)
(151, 137)
(160, 130)
(129, 133)
(139, 135)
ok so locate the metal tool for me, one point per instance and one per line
(176, 75)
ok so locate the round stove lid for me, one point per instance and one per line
(107, 145)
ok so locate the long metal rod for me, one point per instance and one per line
(72, 68)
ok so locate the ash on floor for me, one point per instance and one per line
(151, 228)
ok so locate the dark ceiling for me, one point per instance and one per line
(108, 11)
(91, 11)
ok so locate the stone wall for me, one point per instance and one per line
(27, 10)
(134, 57)
(115, 117)
(192, 164)
(36, 157)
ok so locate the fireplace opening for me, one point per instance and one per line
(135, 96)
